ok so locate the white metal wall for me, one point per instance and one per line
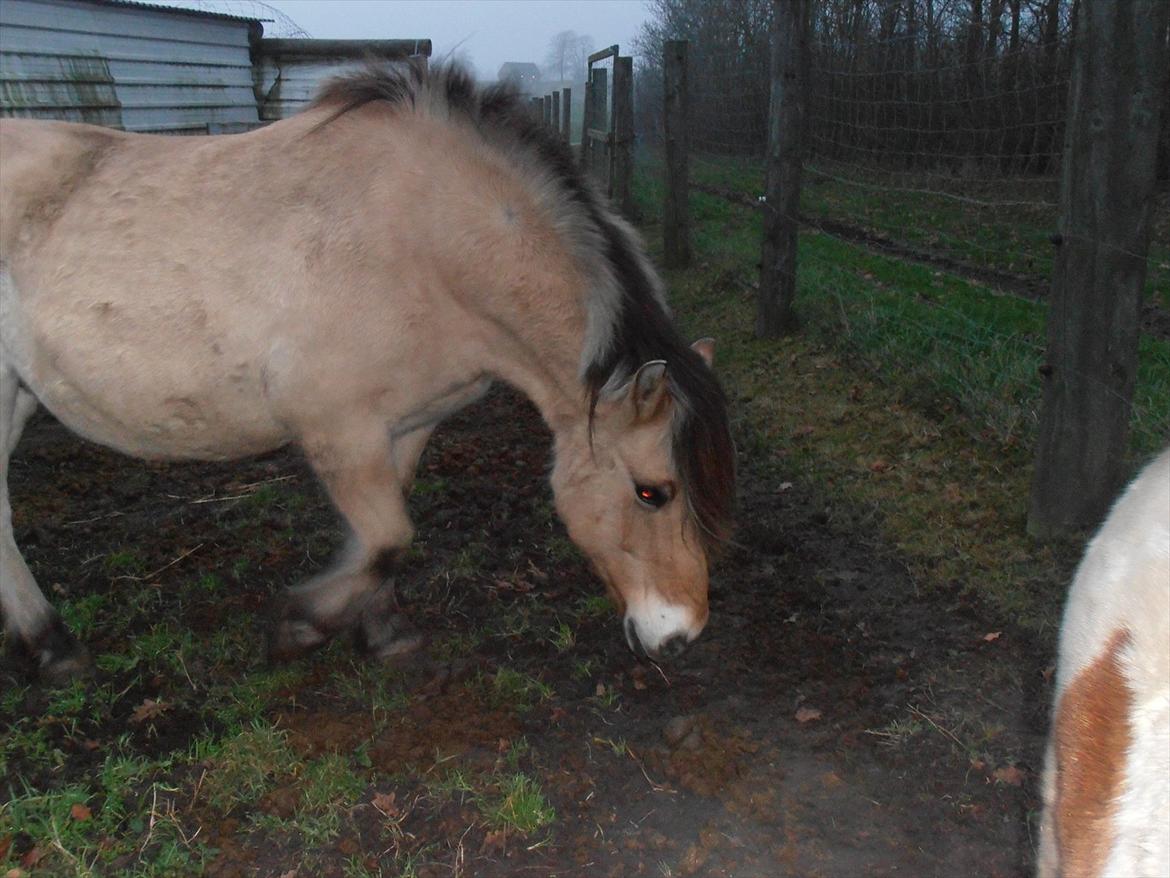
(128, 66)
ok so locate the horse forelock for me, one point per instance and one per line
(627, 319)
(703, 450)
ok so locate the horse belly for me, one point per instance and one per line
(145, 420)
(147, 394)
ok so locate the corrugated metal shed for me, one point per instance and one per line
(127, 65)
(289, 72)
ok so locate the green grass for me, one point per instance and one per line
(1005, 225)
(517, 690)
(563, 637)
(520, 806)
(330, 788)
(247, 766)
(123, 812)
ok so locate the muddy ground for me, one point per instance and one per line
(834, 719)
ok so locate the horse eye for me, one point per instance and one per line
(650, 496)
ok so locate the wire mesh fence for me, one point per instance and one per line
(934, 132)
(927, 127)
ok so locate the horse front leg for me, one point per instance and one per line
(33, 627)
(364, 475)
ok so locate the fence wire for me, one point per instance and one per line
(934, 131)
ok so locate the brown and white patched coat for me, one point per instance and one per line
(1107, 778)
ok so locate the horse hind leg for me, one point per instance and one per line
(32, 625)
(361, 471)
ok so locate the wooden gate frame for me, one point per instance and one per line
(607, 136)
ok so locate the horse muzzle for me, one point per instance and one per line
(662, 634)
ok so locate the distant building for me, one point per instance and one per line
(523, 74)
(127, 65)
(144, 67)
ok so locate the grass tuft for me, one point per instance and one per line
(520, 806)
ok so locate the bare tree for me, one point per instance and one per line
(567, 55)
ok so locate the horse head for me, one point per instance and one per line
(635, 491)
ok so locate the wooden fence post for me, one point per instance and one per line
(775, 314)
(567, 114)
(555, 120)
(546, 109)
(676, 214)
(623, 134)
(586, 121)
(1106, 199)
(599, 118)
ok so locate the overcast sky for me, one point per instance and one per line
(488, 32)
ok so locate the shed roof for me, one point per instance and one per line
(177, 10)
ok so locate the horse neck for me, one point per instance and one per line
(545, 367)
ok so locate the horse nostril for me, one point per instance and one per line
(674, 647)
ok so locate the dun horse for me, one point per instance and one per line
(343, 280)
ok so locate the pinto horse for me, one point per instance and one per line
(344, 280)
(1107, 777)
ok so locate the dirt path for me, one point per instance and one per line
(829, 722)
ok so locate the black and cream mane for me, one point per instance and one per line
(640, 329)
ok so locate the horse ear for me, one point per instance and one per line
(648, 391)
(705, 348)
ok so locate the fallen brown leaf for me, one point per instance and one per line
(807, 714)
(384, 803)
(33, 856)
(1009, 774)
(149, 709)
(992, 637)
(880, 466)
(80, 812)
(494, 840)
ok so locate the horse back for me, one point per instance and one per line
(43, 162)
(1108, 777)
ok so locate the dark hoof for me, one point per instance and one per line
(382, 638)
(55, 656)
(381, 633)
(293, 635)
(65, 669)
